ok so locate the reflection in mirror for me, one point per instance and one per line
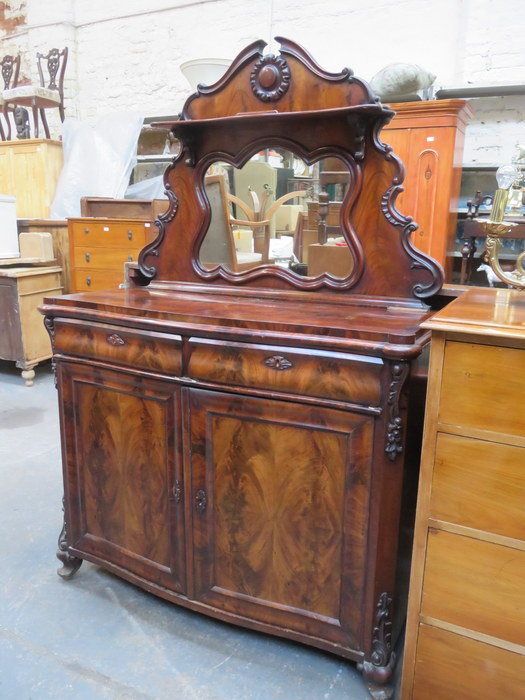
(277, 210)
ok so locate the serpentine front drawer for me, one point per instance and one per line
(131, 348)
(331, 375)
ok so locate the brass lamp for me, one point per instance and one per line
(495, 227)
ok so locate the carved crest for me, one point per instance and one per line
(270, 78)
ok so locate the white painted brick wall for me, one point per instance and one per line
(125, 54)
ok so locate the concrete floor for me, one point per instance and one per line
(97, 636)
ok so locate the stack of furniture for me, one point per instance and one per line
(235, 442)
(466, 616)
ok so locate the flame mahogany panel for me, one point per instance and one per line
(123, 447)
(284, 482)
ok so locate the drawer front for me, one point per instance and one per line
(336, 376)
(111, 235)
(449, 666)
(85, 279)
(483, 387)
(104, 258)
(475, 584)
(479, 484)
(139, 349)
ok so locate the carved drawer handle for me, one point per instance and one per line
(115, 340)
(88, 281)
(201, 500)
(130, 235)
(87, 256)
(278, 362)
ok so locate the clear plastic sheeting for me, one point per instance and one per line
(152, 188)
(98, 160)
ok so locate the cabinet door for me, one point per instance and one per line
(280, 495)
(122, 472)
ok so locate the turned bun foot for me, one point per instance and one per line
(28, 375)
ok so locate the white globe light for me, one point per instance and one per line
(506, 176)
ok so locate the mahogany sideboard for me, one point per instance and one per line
(466, 612)
(235, 442)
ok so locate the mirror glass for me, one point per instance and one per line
(277, 210)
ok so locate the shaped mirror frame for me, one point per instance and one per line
(278, 211)
(288, 101)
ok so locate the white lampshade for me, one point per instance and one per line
(204, 71)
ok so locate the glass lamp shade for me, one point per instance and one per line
(204, 71)
(506, 175)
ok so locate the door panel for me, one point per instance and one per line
(279, 511)
(123, 471)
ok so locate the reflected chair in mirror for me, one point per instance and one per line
(48, 95)
(10, 70)
(259, 219)
(218, 246)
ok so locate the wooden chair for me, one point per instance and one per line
(48, 95)
(10, 70)
(259, 218)
(218, 246)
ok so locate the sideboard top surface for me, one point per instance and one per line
(360, 323)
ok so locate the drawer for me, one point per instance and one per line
(331, 375)
(104, 258)
(479, 484)
(449, 666)
(131, 348)
(475, 584)
(86, 279)
(483, 387)
(110, 234)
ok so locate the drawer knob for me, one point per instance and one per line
(201, 500)
(278, 362)
(115, 340)
(88, 281)
(87, 256)
(86, 230)
(130, 258)
(130, 235)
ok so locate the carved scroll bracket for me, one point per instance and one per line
(70, 564)
(381, 665)
(394, 435)
(49, 323)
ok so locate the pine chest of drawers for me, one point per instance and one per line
(465, 630)
(100, 247)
